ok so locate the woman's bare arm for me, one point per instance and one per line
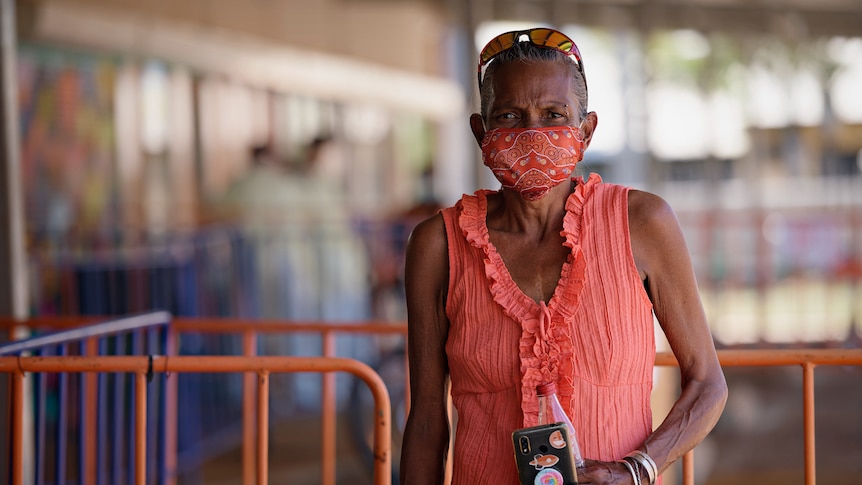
(426, 436)
(665, 266)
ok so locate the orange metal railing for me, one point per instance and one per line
(141, 366)
(250, 329)
(808, 359)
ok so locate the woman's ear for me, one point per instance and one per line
(478, 127)
(588, 127)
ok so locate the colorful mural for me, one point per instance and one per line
(67, 143)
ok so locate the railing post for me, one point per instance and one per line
(171, 392)
(808, 418)
(91, 415)
(328, 410)
(140, 428)
(688, 468)
(263, 428)
(17, 428)
(248, 412)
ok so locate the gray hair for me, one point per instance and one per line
(528, 52)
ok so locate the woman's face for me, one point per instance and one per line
(533, 95)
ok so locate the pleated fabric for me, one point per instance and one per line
(594, 338)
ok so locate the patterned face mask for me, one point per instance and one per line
(532, 161)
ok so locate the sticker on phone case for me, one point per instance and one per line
(556, 440)
(544, 461)
(549, 476)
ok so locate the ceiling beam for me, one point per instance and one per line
(804, 21)
(247, 59)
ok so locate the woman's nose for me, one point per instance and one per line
(532, 120)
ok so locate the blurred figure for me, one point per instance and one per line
(254, 199)
(307, 263)
(337, 265)
(342, 264)
(389, 249)
(310, 263)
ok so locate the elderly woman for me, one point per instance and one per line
(551, 278)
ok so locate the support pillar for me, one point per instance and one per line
(13, 282)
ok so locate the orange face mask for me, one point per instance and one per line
(532, 161)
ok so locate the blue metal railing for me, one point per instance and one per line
(104, 329)
(297, 273)
(64, 407)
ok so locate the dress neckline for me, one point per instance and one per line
(545, 346)
(473, 222)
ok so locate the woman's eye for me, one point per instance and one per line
(552, 114)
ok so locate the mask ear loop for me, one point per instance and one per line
(580, 129)
(580, 134)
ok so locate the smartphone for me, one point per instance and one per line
(543, 456)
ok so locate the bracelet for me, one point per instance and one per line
(646, 462)
(649, 464)
(636, 479)
(636, 466)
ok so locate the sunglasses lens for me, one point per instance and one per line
(540, 37)
(496, 46)
(552, 38)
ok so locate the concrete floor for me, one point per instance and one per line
(294, 456)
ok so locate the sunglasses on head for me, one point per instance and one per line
(542, 37)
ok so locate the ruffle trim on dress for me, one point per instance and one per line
(545, 346)
(575, 208)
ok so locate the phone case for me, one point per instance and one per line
(543, 456)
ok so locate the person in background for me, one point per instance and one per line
(552, 278)
(255, 197)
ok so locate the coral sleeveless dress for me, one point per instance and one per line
(595, 338)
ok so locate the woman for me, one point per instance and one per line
(550, 279)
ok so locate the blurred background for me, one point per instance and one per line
(267, 159)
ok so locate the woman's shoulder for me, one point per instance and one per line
(643, 206)
(426, 264)
(430, 230)
(648, 208)
(653, 228)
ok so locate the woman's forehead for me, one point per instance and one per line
(530, 79)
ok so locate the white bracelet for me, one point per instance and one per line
(636, 479)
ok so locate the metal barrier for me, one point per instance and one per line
(83, 333)
(808, 359)
(249, 329)
(99, 422)
(142, 367)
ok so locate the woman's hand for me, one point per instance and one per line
(604, 473)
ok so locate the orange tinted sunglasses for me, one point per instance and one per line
(542, 37)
